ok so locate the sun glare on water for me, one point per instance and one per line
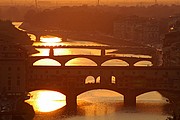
(50, 39)
(46, 101)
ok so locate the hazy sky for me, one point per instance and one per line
(10, 2)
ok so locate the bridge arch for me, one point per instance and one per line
(46, 62)
(105, 93)
(115, 62)
(80, 61)
(143, 63)
(150, 95)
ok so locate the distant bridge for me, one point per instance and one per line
(98, 59)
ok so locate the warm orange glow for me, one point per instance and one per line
(143, 63)
(58, 51)
(46, 62)
(81, 62)
(42, 52)
(46, 101)
(150, 96)
(50, 39)
(33, 37)
(115, 62)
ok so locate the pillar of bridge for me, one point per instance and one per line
(104, 79)
(71, 101)
(103, 52)
(51, 51)
(130, 100)
(131, 64)
(38, 37)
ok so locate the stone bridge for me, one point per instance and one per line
(128, 81)
(98, 60)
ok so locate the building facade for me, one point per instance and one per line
(12, 68)
(138, 29)
(171, 49)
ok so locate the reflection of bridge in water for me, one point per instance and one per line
(130, 81)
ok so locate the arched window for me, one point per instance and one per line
(89, 79)
(98, 79)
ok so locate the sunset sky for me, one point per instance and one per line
(24, 2)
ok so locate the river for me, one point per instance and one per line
(95, 104)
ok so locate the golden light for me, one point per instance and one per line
(80, 62)
(115, 62)
(42, 52)
(32, 37)
(46, 101)
(50, 39)
(143, 63)
(151, 96)
(58, 51)
(46, 62)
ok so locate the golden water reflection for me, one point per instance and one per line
(46, 101)
(46, 62)
(50, 39)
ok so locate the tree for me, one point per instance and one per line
(8, 33)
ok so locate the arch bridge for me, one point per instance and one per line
(98, 60)
(128, 81)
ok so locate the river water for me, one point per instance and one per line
(95, 104)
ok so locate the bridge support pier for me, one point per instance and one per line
(38, 38)
(71, 102)
(103, 52)
(51, 52)
(130, 100)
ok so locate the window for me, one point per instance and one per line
(9, 82)
(9, 68)
(18, 82)
(18, 68)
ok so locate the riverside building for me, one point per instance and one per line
(171, 43)
(12, 68)
(144, 30)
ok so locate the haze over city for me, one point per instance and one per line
(89, 59)
(88, 2)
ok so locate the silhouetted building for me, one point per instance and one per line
(139, 29)
(171, 49)
(174, 23)
(171, 43)
(12, 68)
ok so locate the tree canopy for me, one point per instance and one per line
(9, 33)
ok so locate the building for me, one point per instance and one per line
(171, 49)
(143, 30)
(171, 43)
(12, 68)
(174, 23)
